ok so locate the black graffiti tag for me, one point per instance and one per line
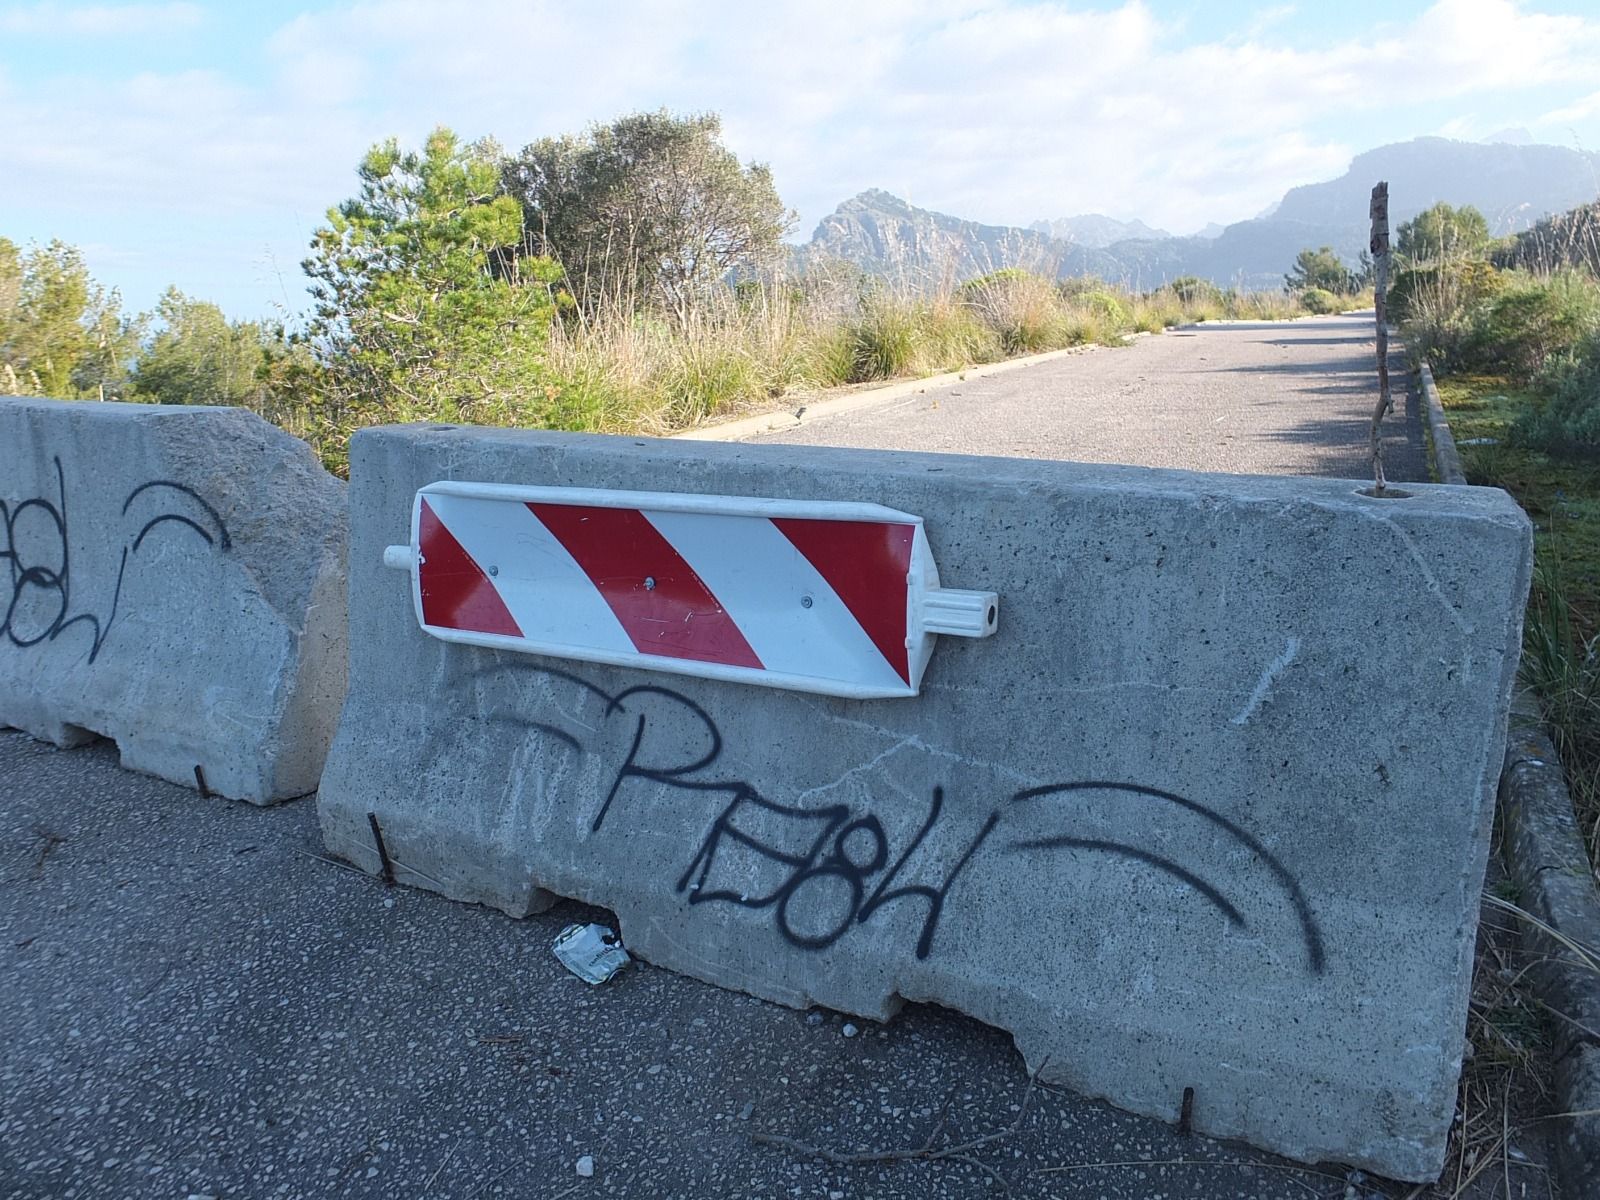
(36, 568)
(828, 867)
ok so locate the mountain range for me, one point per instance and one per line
(1513, 184)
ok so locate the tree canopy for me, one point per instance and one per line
(1321, 268)
(61, 334)
(200, 357)
(651, 208)
(421, 302)
(1443, 234)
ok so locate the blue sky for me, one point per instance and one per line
(200, 144)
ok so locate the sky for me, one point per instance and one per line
(199, 145)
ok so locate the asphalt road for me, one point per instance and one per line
(195, 1004)
(1266, 398)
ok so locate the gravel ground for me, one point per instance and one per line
(1250, 398)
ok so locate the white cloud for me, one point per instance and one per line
(99, 20)
(1579, 110)
(994, 109)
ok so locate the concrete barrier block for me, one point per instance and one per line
(1211, 810)
(172, 578)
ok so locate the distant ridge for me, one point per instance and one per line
(1097, 231)
(1513, 184)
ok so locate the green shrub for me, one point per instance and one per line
(1078, 285)
(1530, 321)
(1568, 422)
(1320, 301)
(705, 379)
(832, 355)
(1191, 289)
(1417, 292)
(1104, 309)
(884, 341)
(954, 335)
(1021, 311)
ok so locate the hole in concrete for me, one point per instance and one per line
(1388, 493)
(70, 736)
(441, 428)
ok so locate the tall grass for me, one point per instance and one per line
(1563, 666)
(751, 346)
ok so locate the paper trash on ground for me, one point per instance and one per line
(591, 952)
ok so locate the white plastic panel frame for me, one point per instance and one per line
(829, 597)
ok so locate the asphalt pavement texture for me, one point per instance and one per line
(1245, 397)
(197, 1003)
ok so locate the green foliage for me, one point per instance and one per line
(200, 357)
(1442, 234)
(832, 358)
(1437, 287)
(1104, 308)
(61, 333)
(651, 209)
(1561, 635)
(1320, 268)
(1191, 289)
(1568, 420)
(708, 377)
(1022, 311)
(1521, 327)
(1320, 301)
(884, 341)
(1569, 239)
(422, 308)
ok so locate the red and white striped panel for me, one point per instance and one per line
(836, 598)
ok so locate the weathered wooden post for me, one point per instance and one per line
(1379, 248)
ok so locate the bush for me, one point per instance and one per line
(1320, 301)
(832, 356)
(1417, 292)
(1021, 310)
(883, 340)
(954, 336)
(1191, 289)
(1568, 422)
(1522, 327)
(1105, 309)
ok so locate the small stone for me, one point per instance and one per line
(586, 1166)
(389, 903)
(815, 1018)
(744, 1113)
(835, 1196)
(849, 1030)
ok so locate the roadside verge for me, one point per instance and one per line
(1557, 902)
(805, 411)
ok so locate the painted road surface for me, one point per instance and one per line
(1249, 398)
(195, 1003)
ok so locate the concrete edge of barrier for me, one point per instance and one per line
(813, 410)
(177, 586)
(1442, 443)
(1550, 868)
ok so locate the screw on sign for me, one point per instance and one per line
(831, 597)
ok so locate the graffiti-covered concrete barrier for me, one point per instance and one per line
(172, 578)
(1210, 810)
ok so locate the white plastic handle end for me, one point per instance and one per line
(957, 613)
(401, 558)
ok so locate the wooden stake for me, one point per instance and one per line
(1379, 248)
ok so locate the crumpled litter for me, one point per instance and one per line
(591, 952)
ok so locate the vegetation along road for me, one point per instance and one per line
(1247, 397)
